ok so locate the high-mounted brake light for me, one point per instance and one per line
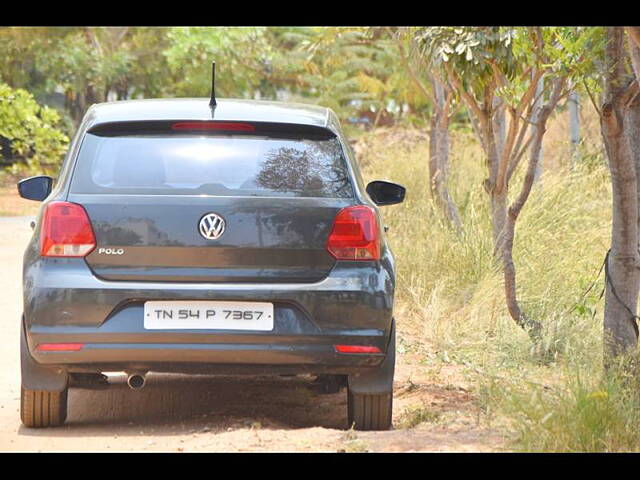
(225, 126)
(66, 231)
(59, 347)
(355, 235)
(356, 349)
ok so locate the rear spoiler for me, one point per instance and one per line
(211, 127)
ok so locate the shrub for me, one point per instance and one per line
(33, 131)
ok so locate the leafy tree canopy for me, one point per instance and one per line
(31, 129)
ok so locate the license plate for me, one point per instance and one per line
(208, 315)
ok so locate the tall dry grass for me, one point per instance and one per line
(450, 293)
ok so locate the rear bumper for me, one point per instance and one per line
(122, 343)
(209, 358)
(66, 303)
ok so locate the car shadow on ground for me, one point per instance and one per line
(174, 404)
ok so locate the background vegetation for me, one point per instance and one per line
(450, 297)
(390, 87)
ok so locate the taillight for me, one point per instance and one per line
(354, 235)
(356, 349)
(60, 347)
(66, 231)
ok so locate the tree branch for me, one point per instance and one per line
(498, 74)
(409, 68)
(530, 92)
(634, 35)
(558, 91)
(593, 100)
(518, 156)
(468, 99)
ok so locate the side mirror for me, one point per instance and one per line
(386, 193)
(35, 188)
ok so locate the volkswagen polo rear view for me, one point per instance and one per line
(231, 240)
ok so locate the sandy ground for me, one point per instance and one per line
(178, 413)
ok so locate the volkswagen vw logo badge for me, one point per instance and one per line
(211, 226)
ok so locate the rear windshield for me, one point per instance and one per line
(224, 165)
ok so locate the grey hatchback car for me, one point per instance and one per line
(235, 239)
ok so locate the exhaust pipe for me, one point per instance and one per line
(136, 381)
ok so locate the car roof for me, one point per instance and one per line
(199, 109)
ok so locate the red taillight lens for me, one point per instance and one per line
(355, 235)
(59, 347)
(229, 126)
(66, 231)
(356, 349)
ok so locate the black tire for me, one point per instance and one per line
(42, 408)
(370, 397)
(370, 412)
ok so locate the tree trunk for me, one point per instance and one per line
(537, 107)
(439, 158)
(619, 125)
(499, 120)
(633, 121)
(77, 103)
(532, 327)
(498, 197)
(498, 221)
(574, 125)
(623, 279)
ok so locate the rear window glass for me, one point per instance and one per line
(224, 165)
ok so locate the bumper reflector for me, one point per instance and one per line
(59, 347)
(356, 349)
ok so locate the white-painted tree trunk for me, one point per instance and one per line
(499, 123)
(439, 156)
(574, 125)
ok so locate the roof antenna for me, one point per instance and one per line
(212, 102)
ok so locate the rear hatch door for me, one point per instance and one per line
(211, 205)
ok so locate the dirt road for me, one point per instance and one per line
(228, 414)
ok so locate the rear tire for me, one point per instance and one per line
(370, 396)
(42, 408)
(370, 412)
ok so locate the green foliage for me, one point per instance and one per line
(470, 51)
(70, 62)
(95, 61)
(480, 56)
(353, 70)
(350, 70)
(242, 54)
(415, 68)
(20, 46)
(32, 130)
(475, 45)
(588, 414)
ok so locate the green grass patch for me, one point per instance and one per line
(415, 415)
